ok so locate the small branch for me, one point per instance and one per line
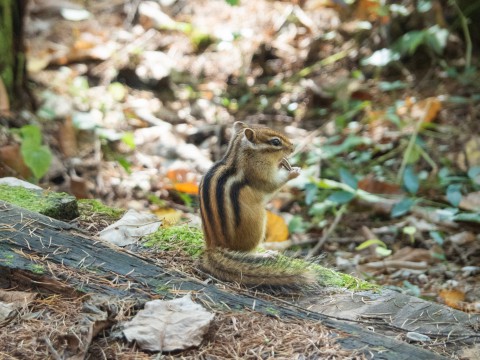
(396, 264)
(466, 33)
(316, 249)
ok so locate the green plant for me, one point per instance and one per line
(37, 157)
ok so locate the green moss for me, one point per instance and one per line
(6, 258)
(56, 205)
(93, 208)
(187, 238)
(36, 268)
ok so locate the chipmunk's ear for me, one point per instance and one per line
(249, 134)
(238, 126)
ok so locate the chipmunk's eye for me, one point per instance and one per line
(275, 142)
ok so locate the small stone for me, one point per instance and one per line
(417, 337)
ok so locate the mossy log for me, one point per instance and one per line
(47, 255)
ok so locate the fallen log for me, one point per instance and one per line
(47, 255)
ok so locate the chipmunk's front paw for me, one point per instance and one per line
(295, 172)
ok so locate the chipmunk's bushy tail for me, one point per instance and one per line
(258, 270)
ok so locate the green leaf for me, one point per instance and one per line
(297, 225)
(474, 174)
(408, 43)
(424, 5)
(471, 217)
(31, 136)
(233, 2)
(124, 163)
(410, 180)
(369, 243)
(454, 195)
(391, 86)
(37, 159)
(414, 154)
(436, 39)
(409, 230)
(117, 90)
(381, 58)
(129, 140)
(311, 191)
(36, 156)
(383, 252)
(341, 197)
(347, 178)
(402, 207)
(437, 237)
(329, 184)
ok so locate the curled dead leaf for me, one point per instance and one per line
(277, 229)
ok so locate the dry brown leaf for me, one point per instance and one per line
(378, 187)
(79, 187)
(67, 138)
(277, 229)
(19, 297)
(471, 202)
(11, 157)
(4, 101)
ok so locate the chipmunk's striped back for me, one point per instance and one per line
(222, 182)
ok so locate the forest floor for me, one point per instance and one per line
(136, 101)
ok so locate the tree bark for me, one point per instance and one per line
(14, 93)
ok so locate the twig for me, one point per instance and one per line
(413, 138)
(316, 249)
(466, 33)
(397, 264)
(50, 348)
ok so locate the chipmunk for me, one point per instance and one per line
(233, 194)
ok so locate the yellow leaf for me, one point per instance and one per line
(277, 229)
(168, 215)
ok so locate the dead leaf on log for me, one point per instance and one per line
(130, 228)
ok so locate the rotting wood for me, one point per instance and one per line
(34, 244)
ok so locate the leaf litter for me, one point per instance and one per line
(182, 72)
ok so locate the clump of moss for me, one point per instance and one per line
(184, 237)
(93, 208)
(56, 205)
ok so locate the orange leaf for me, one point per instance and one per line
(277, 229)
(426, 109)
(183, 180)
(452, 298)
(369, 10)
(187, 188)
